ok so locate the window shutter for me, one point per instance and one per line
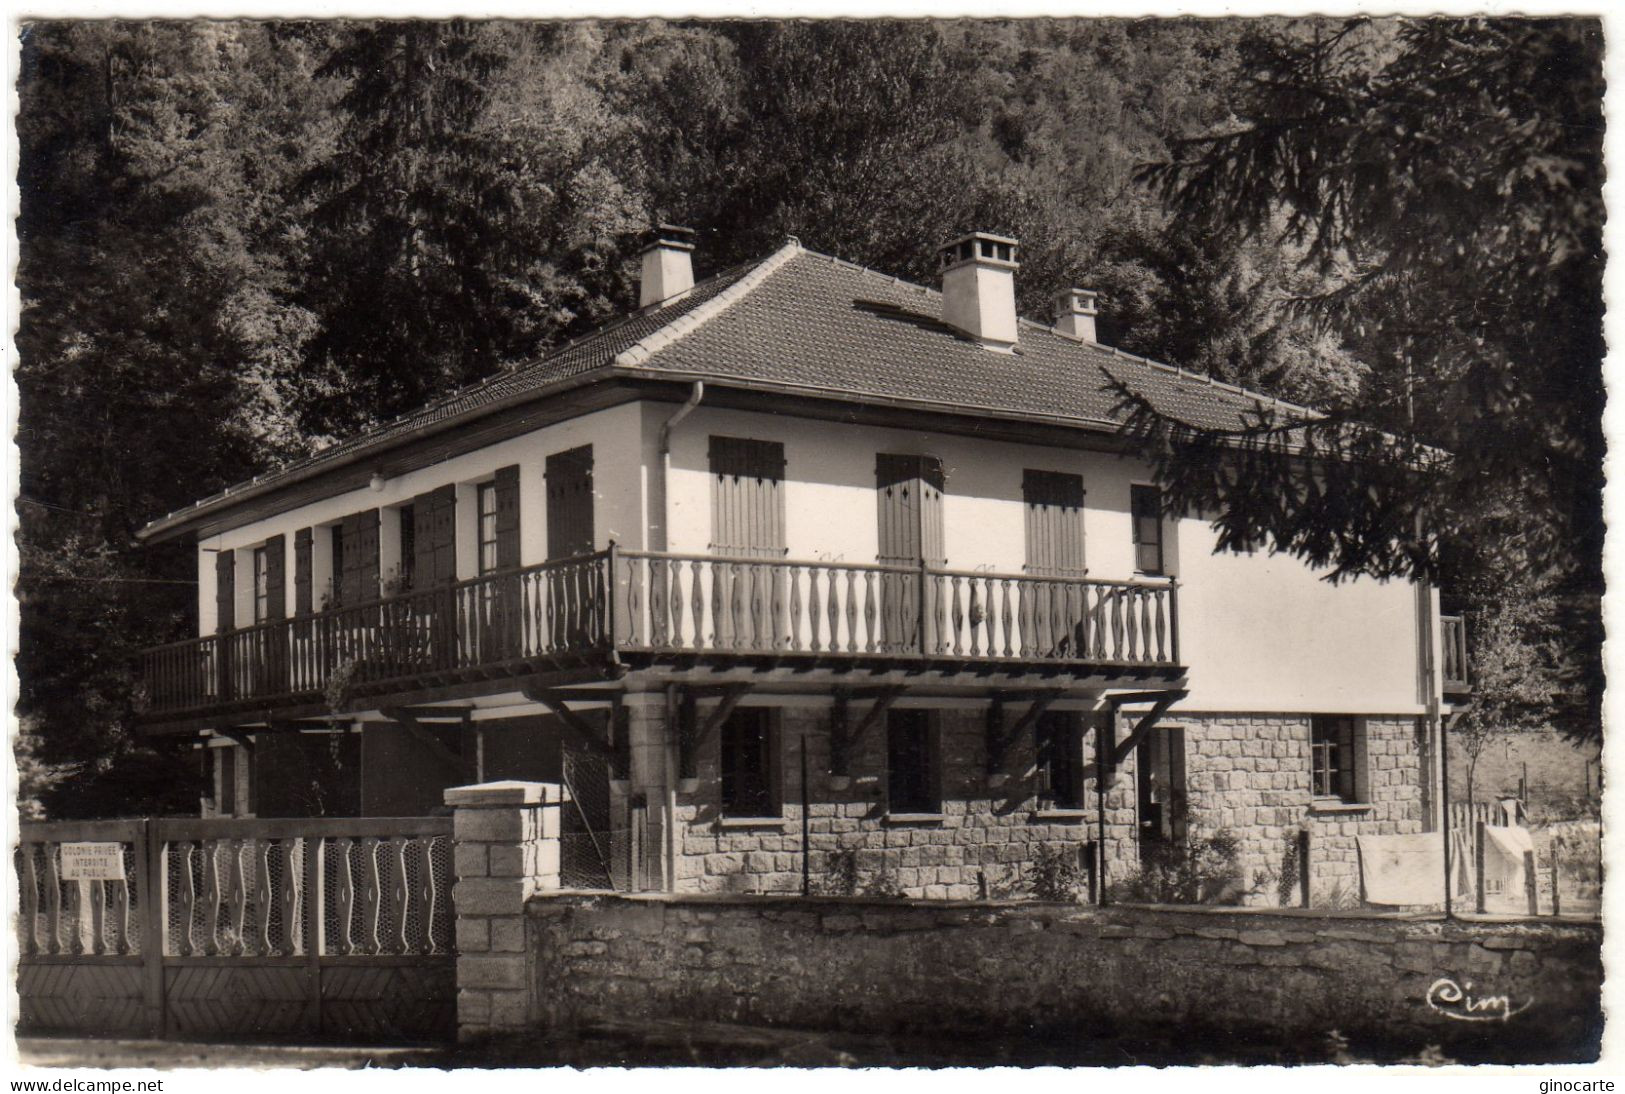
(1358, 788)
(747, 497)
(434, 537)
(359, 582)
(570, 503)
(276, 578)
(1178, 799)
(303, 542)
(225, 590)
(1054, 505)
(507, 491)
(909, 491)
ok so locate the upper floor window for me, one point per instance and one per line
(488, 527)
(749, 783)
(262, 585)
(335, 595)
(747, 497)
(570, 503)
(1146, 505)
(1054, 505)
(407, 516)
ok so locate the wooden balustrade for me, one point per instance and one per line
(645, 601)
(727, 605)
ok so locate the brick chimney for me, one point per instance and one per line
(668, 264)
(1075, 313)
(979, 288)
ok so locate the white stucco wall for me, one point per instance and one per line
(1260, 634)
(619, 513)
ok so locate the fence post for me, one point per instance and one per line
(154, 920)
(1478, 863)
(1557, 894)
(506, 838)
(1531, 883)
(1303, 865)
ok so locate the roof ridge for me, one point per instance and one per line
(647, 347)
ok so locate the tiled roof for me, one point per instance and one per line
(817, 322)
(810, 322)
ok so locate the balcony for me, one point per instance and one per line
(640, 607)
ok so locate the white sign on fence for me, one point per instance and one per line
(92, 862)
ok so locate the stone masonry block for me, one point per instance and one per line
(469, 860)
(491, 971)
(491, 896)
(505, 825)
(473, 934)
(508, 934)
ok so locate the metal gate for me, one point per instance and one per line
(600, 846)
(299, 929)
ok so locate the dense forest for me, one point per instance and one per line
(240, 240)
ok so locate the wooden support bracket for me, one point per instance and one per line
(408, 718)
(999, 741)
(842, 741)
(691, 735)
(587, 735)
(1163, 700)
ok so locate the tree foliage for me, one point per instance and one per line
(1442, 181)
(241, 239)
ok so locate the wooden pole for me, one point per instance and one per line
(1303, 865)
(1557, 892)
(806, 866)
(150, 866)
(1531, 882)
(1478, 863)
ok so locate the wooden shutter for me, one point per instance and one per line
(359, 581)
(303, 543)
(507, 492)
(434, 537)
(276, 578)
(909, 491)
(570, 503)
(747, 497)
(225, 590)
(1054, 505)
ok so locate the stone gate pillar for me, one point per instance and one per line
(507, 848)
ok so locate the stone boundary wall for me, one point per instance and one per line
(1526, 990)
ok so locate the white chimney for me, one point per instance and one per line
(668, 264)
(979, 288)
(1075, 313)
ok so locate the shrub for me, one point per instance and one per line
(1055, 874)
(1188, 871)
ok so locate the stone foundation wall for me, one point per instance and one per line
(1528, 991)
(1247, 775)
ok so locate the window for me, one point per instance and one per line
(488, 527)
(570, 503)
(1054, 502)
(262, 585)
(335, 595)
(747, 497)
(749, 788)
(409, 547)
(1060, 760)
(1333, 757)
(911, 782)
(1146, 504)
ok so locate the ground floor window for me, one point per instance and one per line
(749, 786)
(1060, 760)
(911, 763)
(1332, 757)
